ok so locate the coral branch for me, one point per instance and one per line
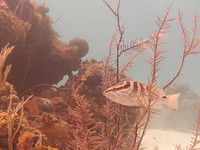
(3, 56)
(134, 48)
(196, 130)
(120, 30)
(84, 127)
(155, 42)
(138, 45)
(190, 45)
(107, 79)
(143, 119)
(111, 9)
(12, 113)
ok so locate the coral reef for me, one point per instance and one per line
(87, 84)
(27, 140)
(5, 93)
(58, 117)
(16, 131)
(24, 128)
(57, 135)
(76, 115)
(39, 56)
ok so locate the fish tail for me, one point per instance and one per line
(172, 101)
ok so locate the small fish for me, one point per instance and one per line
(133, 93)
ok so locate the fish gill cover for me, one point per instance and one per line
(36, 114)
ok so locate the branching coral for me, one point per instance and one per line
(12, 112)
(191, 43)
(135, 48)
(12, 119)
(85, 134)
(3, 56)
(155, 60)
(10, 129)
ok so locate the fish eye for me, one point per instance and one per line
(164, 97)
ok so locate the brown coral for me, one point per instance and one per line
(5, 96)
(32, 107)
(29, 140)
(57, 135)
(3, 129)
(13, 30)
(39, 56)
(80, 47)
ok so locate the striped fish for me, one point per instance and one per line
(134, 94)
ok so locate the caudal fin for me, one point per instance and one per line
(172, 101)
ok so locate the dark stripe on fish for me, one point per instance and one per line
(147, 87)
(135, 87)
(119, 87)
(125, 86)
(142, 88)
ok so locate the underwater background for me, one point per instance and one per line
(93, 22)
(57, 58)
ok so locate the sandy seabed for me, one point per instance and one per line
(157, 139)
